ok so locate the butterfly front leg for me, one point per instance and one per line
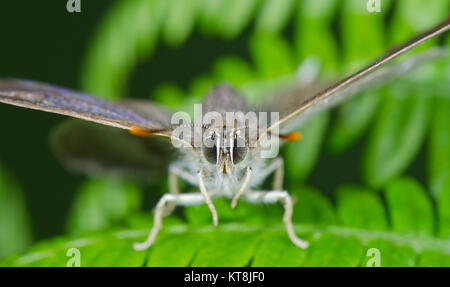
(278, 196)
(276, 167)
(277, 183)
(207, 197)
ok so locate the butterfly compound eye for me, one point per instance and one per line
(209, 149)
(239, 150)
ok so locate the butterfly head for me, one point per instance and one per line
(225, 148)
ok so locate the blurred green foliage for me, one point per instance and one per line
(15, 234)
(101, 203)
(407, 219)
(403, 230)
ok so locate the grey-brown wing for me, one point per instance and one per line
(93, 149)
(285, 98)
(287, 102)
(303, 104)
(148, 110)
(39, 96)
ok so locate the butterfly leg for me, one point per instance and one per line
(277, 183)
(173, 188)
(174, 172)
(277, 166)
(285, 199)
(207, 198)
(181, 199)
(243, 187)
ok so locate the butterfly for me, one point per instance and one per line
(223, 158)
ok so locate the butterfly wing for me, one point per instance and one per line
(39, 96)
(97, 149)
(301, 103)
(99, 144)
(285, 103)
